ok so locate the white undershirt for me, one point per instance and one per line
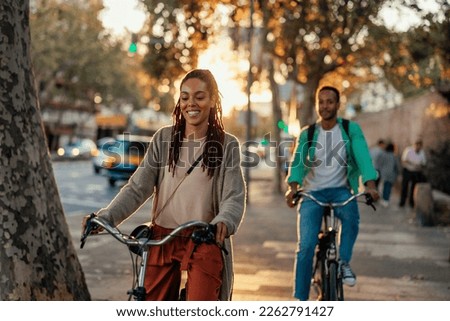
(331, 171)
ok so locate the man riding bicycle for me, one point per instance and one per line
(329, 167)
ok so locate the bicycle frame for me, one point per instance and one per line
(327, 275)
(138, 292)
(326, 272)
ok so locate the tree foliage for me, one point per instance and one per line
(74, 58)
(176, 33)
(312, 38)
(419, 59)
(309, 41)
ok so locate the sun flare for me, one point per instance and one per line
(224, 65)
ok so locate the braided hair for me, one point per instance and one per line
(213, 150)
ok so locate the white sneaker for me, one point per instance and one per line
(348, 277)
(384, 203)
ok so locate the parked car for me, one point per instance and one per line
(126, 156)
(105, 147)
(78, 148)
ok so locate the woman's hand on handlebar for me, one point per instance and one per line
(88, 228)
(221, 232)
(84, 225)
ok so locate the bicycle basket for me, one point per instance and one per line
(142, 231)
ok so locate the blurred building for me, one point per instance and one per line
(64, 120)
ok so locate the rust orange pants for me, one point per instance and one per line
(203, 264)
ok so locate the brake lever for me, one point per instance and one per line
(224, 250)
(369, 201)
(207, 235)
(90, 226)
(296, 198)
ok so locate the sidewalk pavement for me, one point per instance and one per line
(394, 258)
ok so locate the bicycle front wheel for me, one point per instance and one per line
(333, 282)
(319, 281)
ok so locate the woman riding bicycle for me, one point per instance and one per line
(213, 191)
(330, 171)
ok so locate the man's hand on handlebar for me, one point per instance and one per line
(290, 194)
(371, 189)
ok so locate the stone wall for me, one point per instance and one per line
(425, 116)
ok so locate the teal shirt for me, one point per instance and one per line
(359, 162)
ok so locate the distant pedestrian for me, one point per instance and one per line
(375, 153)
(413, 162)
(389, 169)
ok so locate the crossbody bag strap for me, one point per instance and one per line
(189, 171)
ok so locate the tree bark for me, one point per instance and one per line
(307, 114)
(277, 116)
(37, 260)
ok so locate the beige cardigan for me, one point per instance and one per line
(229, 193)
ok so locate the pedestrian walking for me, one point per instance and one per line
(413, 161)
(389, 169)
(375, 153)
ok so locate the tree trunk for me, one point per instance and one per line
(277, 116)
(307, 113)
(37, 260)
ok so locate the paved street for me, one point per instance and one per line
(395, 258)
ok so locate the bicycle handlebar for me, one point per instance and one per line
(369, 200)
(94, 222)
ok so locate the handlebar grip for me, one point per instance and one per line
(204, 235)
(369, 201)
(207, 235)
(90, 226)
(296, 198)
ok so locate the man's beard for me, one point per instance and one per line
(328, 115)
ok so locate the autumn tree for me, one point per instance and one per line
(37, 258)
(314, 38)
(347, 44)
(307, 42)
(75, 58)
(419, 58)
(302, 40)
(175, 34)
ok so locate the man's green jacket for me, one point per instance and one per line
(358, 163)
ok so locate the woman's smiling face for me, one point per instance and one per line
(195, 103)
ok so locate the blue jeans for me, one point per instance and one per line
(310, 222)
(387, 188)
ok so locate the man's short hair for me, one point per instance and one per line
(333, 89)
